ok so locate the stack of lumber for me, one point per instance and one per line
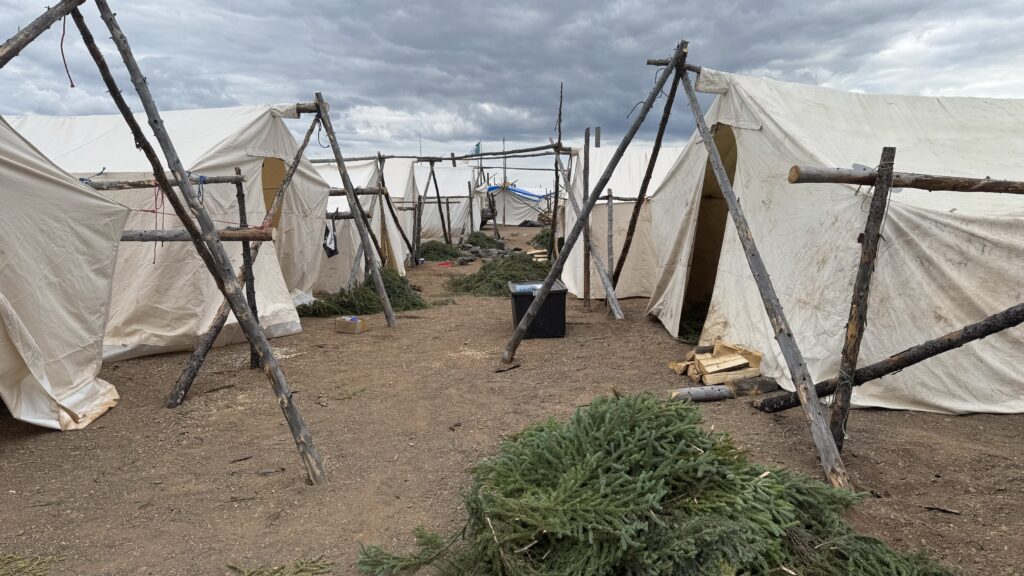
(538, 255)
(718, 364)
(724, 370)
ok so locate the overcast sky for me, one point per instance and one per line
(454, 73)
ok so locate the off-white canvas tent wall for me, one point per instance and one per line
(452, 182)
(641, 269)
(164, 298)
(946, 259)
(512, 208)
(400, 179)
(60, 241)
(335, 271)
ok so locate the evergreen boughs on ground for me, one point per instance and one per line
(542, 241)
(634, 485)
(314, 567)
(437, 251)
(364, 300)
(14, 565)
(484, 240)
(493, 277)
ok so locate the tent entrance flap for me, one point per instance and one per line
(274, 170)
(712, 216)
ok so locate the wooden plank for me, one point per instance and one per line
(723, 377)
(859, 303)
(831, 462)
(722, 363)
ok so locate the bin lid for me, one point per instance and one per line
(533, 287)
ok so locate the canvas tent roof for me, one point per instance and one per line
(641, 269)
(60, 241)
(946, 259)
(163, 296)
(451, 181)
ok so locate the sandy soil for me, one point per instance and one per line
(400, 415)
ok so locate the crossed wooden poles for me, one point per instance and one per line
(192, 214)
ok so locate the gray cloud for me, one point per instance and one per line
(452, 73)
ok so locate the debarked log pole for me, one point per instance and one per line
(831, 462)
(1008, 318)
(570, 239)
(867, 177)
(182, 235)
(15, 44)
(247, 259)
(663, 62)
(372, 191)
(223, 268)
(602, 271)
(152, 183)
(735, 389)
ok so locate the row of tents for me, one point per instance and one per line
(72, 294)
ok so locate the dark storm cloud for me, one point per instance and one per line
(453, 73)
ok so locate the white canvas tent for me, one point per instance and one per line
(641, 269)
(946, 259)
(164, 298)
(60, 240)
(513, 205)
(400, 179)
(452, 182)
(335, 272)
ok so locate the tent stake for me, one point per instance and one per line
(831, 462)
(859, 303)
(250, 279)
(195, 362)
(556, 270)
(646, 182)
(602, 272)
(353, 201)
(1012, 316)
(232, 290)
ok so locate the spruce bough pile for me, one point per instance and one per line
(484, 240)
(364, 300)
(437, 251)
(493, 277)
(542, 241)
(634, 485)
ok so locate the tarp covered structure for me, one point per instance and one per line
(946, 259)
(514, 205)
(58, 244)
(336, 271)
(451, 183)
(641, 269)
(164, 298)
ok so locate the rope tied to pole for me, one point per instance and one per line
(63, 33)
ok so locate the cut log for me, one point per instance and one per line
(722, 363)
(181, 235)
(723, 377)
(866, 177)
(735, 389)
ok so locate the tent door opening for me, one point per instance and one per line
(273, 174)
(712, 217)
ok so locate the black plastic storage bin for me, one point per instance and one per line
(550, 320)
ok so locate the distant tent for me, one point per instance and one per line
(513, 205)
(400, 179)
(946, 259)
(163, 297)
(641, 269)
(335, 272)
(452, 183)
(60, 240)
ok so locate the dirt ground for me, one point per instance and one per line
(400, 415)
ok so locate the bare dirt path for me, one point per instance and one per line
(400, 415)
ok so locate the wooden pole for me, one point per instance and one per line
(361, 255)
(195, 362)
(816, 175)
(472, 221)
(570, 240)
(611, 228)
(1008, 318)
(247, 260)
(325, 121)
(391, 204)
(530, 152)
(588, 246)
(494, 214)
(859, 303)
(554, 203)
(742, 387)
(225, 234)
(153, 183)
(440, 210)
(448, 215)
(15, 44)
(232, 290)
(646, 182)
(831, 462)
(602, 272)
(417, 234)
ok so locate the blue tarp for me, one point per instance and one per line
(525, 194)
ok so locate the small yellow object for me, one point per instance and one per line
(350, 325)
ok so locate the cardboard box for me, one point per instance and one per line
(350, 325)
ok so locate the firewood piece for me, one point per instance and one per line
(723, 377)
(722, 363)
(735, 389)
(680, 368)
